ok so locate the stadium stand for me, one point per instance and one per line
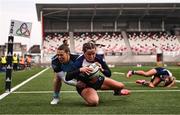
(141, 43)
(149, 42)
(127, 33)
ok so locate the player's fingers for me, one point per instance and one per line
(101, 69)
(99, 65)
(88, 70)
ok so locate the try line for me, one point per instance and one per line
(138, 91)
(21, 84)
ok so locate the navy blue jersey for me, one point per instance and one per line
(57, 66)
(161, 72)
(81, 61)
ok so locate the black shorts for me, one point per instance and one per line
(96, 84)
(162, 78)
(166, 79)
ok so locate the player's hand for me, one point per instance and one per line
(100, 67)
(86, 70)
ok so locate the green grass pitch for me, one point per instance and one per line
(35, 96)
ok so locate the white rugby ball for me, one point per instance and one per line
(95, 70)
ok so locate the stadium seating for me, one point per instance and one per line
(112, 43)
(109, 42)
(149, 42)
(52, 41)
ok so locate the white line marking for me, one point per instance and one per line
(119, 73)
(156, 90)
(21, 84)
(35, 92)
(129, 82)
(16, 87)
(24, 92)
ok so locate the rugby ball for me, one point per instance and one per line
(95, 70)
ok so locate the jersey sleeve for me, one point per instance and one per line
(79, 61)
(73, 57)
(107, 71)
(56, 66)
(72, 74)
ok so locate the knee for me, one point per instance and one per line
(151, 85)
(90, 96)
(93, 102)
(121, 86)
(146, 74)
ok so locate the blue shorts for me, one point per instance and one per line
(95, 83)
(162, 73)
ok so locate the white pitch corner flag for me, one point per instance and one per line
(19, 28)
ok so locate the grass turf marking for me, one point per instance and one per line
(138, 91)
(21, 84)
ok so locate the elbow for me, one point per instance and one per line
(108, 74)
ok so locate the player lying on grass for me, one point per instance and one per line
(158, 75)
(88, 84)
(62, 62)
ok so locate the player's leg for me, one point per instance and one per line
(59, 77)
(88, 94)
(118, 87)
(142, 73)
(143, 82)
(154, 81)
(56, 87)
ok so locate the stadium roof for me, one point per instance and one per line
(88, 10)
(103, 1)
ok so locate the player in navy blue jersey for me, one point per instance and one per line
(158, 75)
(87, 86)
(62, 62)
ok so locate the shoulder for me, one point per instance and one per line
(56, 65)
(55, 61)
(54, 58)
(99, 58)
(79, 61)
(80, 57)
(73, 57)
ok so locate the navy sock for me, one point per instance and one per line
(116, 92)
(133, 72)
(56, 94)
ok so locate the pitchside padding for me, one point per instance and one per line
(9, 64)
